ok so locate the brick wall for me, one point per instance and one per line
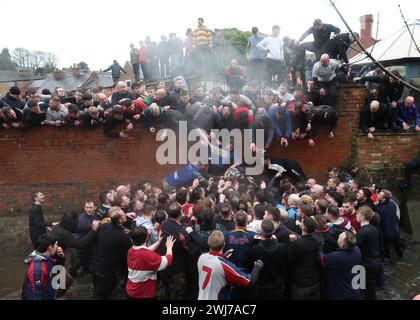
(72, 165)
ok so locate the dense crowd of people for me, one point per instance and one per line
(257, 97)
(209, 232)
(204, 236)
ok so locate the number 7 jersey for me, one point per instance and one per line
(217, 276)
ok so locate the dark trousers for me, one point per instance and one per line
(271, 294)
(276, 68)
(331, 88)
(374, 272)
(396, 243)
(144, 71)
(256, 69)
(103, 285)
(79, 259)
(310, 46)
(163, 67)
(136, 71)
(172, 287)
(202, 59)
(415, 164)
(115, 80)
(309, 293)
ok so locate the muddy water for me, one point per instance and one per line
(402, 278)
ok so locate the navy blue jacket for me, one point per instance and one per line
(389, 219)
(240, 241)
(339, 277)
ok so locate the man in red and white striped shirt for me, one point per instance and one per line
(144, 263)
(217, 275)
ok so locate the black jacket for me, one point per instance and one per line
(66, 239)
(110, 253)
(9, 101)
(283, 233)
(322, 36)
(268, 130)
(110, 124)
(115, 70)
(379, 119)
(313, 97)
(303, 257)
(36, 223)
(391, 92)
(292, 166)
(337, 48)
(316, 115)
(368, 241)
(31, 119)
(116, 97)
(274, 257)
(182, 249)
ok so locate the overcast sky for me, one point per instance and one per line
(99, 31)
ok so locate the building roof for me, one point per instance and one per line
(69, 82)
(13, 76)
(99, 79)
(397, 46)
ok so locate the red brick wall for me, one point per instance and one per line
(72, 165)
(389, 150)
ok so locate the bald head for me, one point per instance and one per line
(311, 182)
(123, 190)
(121, 87)
(409, 101)
(318, 189)
(374, 106)
(160, 94)
(325, 59)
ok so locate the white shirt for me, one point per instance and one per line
(275, 45)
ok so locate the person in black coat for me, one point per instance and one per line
(12, 99)
(270, 285)
(68, 226)
(322, 33)
(115, 69)
(303, 256)
(37, 223)
(390, 89)
(374, 117)
(338, 46)
(121, 94)
(33, 116)
(368, 240)
(115, 119)
(289, 167)
(109, 257)
(177, 277)
(263, 121)
(390, 225)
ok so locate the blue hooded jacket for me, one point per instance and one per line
(284, 122)
(408, 115)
